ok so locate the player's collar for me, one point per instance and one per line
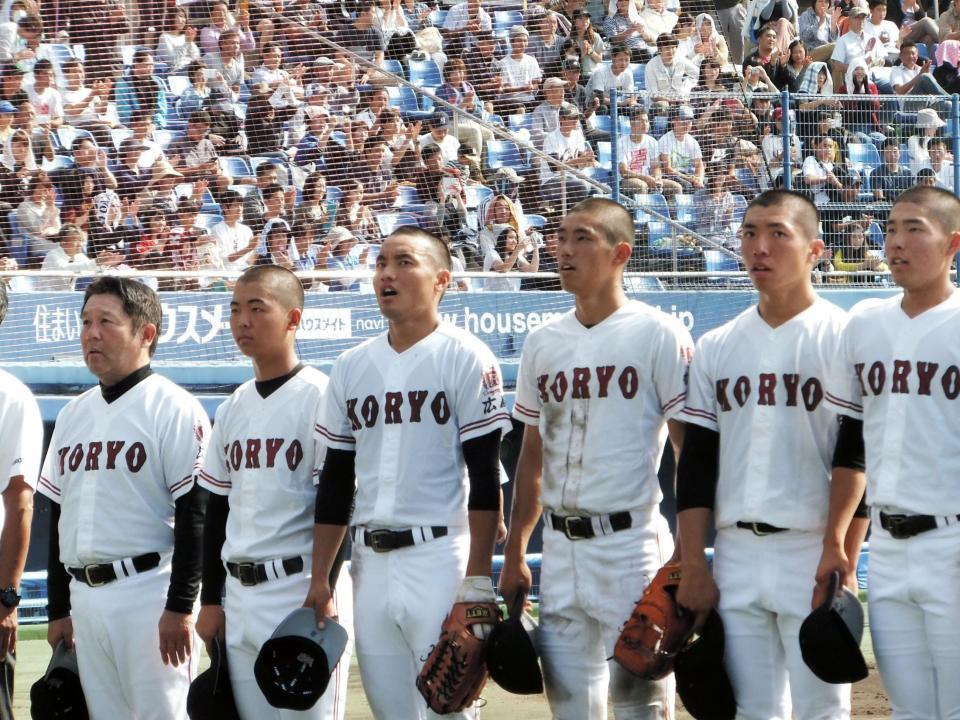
(265, 388)
(112, 392)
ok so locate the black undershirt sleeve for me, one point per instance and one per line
(58, 579)
(336, 488)
(214, 535)
(482, 457)
(698, 468)
(187, 550)
(850, 453)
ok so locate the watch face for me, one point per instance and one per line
(9, 597)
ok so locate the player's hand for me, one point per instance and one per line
(58, 630)
(502, 526)
(320, 598)
(833, 559)
(515, 579)
(698, 591)
(8, 630)
(176, 633)
(211, 624)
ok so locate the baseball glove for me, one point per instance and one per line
(657, 630)
(456, 670)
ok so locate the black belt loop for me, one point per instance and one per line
(902, 527)
(580, 527)
(382, 541)
(103, 574)
(250, 574)
(760, 528)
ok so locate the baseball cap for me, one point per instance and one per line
(859, 12)
(512, 652)
(702, 682)
(553, 82)
(58, 693)
(569, 110)
(7, 108)
(508, 173)
(210, 696)
(324, 60)
(338, 235)
(438, 119)
(293, 667)
(519, 30)
(685, 112)
(830, 636)
(465, 149)
(571, 64)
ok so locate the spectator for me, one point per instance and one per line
(468, 161)
(131, 178)
(67, 257)
(177, 46)
(274, 208)
(276, 246)
(820, 28)
(720, 146)
(141, 129)
(568, 145)
(18, 40)
(341, 243)
(855, 256)
(911, 78)
(546, 116)
(640, 159)
(355, 214)
(915, 24)
(779, 15)
(792, 71)
(194, 155)
(310, 255)
(575, 93)
(891, 178)
(940, 164)
(498, 210)
(668, 79)
(11, 83)
(708, 44)
(197, 95)
(40, 137)
(264, 127)
(949, 22)
(508, 256)
(827, 180)
(375, 102)
(549, 262)
(363, 37)
(7, 113)
(229, 64)
(19, 167)
(856, 45)
(657, 18)
(616, 75)
(100, 26)
(927, 178)
(221, 21)
(457, 91)
(380, 189)
(731, 18)
(589, 44)
(463, 23)
(89, 165)
(886, 32)
(768, 56)
(39, 218)
(714, 211)
(771, 133)
(85, 107)
(483, 68)
(235, 241)
(861, 107)
(140, 89)
(816, 100)
(316, 210)
(46, 99)
(439, 135)
(152, 249)
(275, 77)
(161, 190)
(622, 29)
(928, 125)
(107, 231)
(545, 43)
(314, 143)
(520, 74)
(266, 176)
(680, 154)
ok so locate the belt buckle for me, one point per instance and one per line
(89, 580)
(896, 526)
(755, 527)
(376, 540)
(572, 523)
(247, 574)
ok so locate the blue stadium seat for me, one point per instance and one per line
(425, 73)
(642, 283)
(605, 155)
(236, 167)
(409, 200)
(405, 100)
(656, 202)
(739, 208)
(720, 261)
(520, 121)
(477, 194)
(178, 84)
(506, 19)
(334, 193)
(393, 66)
(19, 243)
(659, 125)
(208, 220)
(388, 222)
(639, 71)
(68, 134)
(438, 18)
(59, 162)
(875, 235)
(603, 123)
(598, 174)
(537, 221)
(863, 155)
(504, 153)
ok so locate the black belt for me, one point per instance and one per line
(97, 575)
(906, 526)
(250, 574)
(382, 541)
(760, 528)
(580, 527)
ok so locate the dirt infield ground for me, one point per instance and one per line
(869, 700)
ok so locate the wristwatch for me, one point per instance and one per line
(9, 597)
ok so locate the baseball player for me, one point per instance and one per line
(22, 430)
(898, 378)
(126, 523)
(258, 534)
(416, 415)
(595, 390)
(756, 458)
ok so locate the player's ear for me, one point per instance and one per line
(443, 280)
(816, 249)
(954, 245)
(147, 334)
(622, 252)
(293, 318)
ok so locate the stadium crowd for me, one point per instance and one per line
(214, 137)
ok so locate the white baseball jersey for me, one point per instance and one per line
(263, 456)
(762, 389)
(21, 428)
(406, 415)
(600, 396)
(117, 468)
(901, 375)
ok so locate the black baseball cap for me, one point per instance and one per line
(830, 636)
(571, 64)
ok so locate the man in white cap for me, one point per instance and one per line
(680, 154)
(855, 45)
(568, 145)
(546, 116)
(520, 74)
(439, 134)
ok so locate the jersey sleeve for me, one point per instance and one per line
(333, 426)
(479, 405)
(700, 407)
(319, 447)
(844, 392)
(22, 447)
(214, 475)
(670, 366)
(49, 481)
(526, 406)
(184, 445)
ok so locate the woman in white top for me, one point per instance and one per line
(67, 256)
(508, 256)
(177, 44)
(708, 43)
(235, 240)
(39, 218)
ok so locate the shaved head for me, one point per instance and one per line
(941, 205)
(282, 284)
(616, 221)
(437, 248)
(805, 213)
